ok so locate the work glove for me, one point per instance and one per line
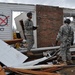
(34, 28)
(56, 43)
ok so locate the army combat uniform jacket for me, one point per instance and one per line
(29, 33)
(65, 35)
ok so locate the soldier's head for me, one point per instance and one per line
(68, 21)
(29, 15)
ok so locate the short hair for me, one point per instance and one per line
(68, 21)
(29, 14)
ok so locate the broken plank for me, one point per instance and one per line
(53, 69)
(13, 41)
(38, 66)
(2, 72)
(31, 71)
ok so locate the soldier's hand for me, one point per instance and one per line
(34, 28)
(56, 43)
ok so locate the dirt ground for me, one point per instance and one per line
(68, 71)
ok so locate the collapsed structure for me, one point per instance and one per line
(48, 19)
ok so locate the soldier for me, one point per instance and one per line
(28, 27)
(65, 35)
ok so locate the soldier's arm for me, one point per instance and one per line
(72, 37)
(59, 36)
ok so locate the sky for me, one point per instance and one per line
(60, 3)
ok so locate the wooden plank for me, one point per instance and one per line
(13, 41)
(31, 71)
(2, 71)
(38, 66)
(53, 69)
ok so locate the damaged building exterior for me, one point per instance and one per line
(48, 18)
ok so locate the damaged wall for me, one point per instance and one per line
(49, 19)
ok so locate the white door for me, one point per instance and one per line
(23, 17)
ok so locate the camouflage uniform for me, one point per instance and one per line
(65, 35)
(29, 33)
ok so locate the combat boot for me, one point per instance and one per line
(29, 53)
(70, 62)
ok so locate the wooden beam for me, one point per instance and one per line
(13, 41)
(2, 71)
(31, 71)
(53, 69)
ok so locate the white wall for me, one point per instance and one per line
(7, 9)
(5, 24)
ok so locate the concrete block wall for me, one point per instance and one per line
(49, 19)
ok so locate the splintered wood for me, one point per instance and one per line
(55, 70)
(41, 71)
(2, 71)
(24, 71)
